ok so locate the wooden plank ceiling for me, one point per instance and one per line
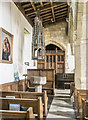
(51, 12)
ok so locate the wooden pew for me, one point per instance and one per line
(50, 77)
(28, 95)
(9, 86)
(84, 114)
(36, 104)
(72, 88)
(79, 94)
(75, 97)
(13, 86)
(80, 103)
(7, 114)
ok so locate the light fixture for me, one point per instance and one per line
(52, 20)
(38, 41)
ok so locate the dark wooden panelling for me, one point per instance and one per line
(48, 73)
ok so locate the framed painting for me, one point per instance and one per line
(6, 46)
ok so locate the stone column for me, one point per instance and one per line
(81, 45)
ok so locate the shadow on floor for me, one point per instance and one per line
(50, 99)
(63, 113)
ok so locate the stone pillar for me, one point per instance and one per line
(81, 45)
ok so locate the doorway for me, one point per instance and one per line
(54, 59)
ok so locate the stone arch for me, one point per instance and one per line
(60, 45)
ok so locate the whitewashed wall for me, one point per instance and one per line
(14, 22)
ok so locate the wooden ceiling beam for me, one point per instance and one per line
(46, 14)
(60, 13)
(60, 16)
(47, 20)
(41, 3)
(28, 9)
(53, 14)
(32, 15)
(60, 7)
(46, 3)
(36, 12)
(18, 4)
(54, 5)
(46, 8)
(47, 17)
(52, 10)
(26, 5)
(61, 10)
(46, 11)
(33, 6)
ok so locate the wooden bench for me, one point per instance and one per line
(28, 95)
(80, 102)
(36, 104)
(7, 114)
(72, 88)
(75, 97)
(13, 86)
(84, 107)
(50, 77)
(79, 94)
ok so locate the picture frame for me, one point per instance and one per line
(6, 46)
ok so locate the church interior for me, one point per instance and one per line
(43, 59)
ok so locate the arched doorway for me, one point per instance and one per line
(54, 59)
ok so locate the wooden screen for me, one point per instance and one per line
(48, 73)
(54, 59)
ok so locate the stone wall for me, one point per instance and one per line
(57, 34)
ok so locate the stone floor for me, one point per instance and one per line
(61, 107)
